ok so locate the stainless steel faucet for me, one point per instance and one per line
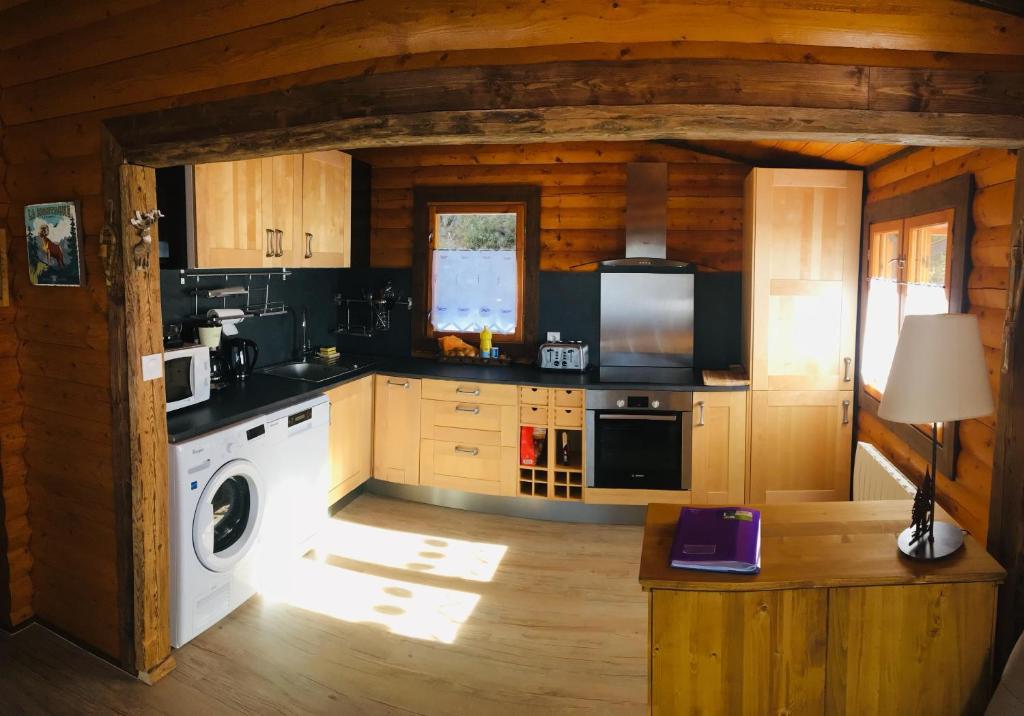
(304, 348)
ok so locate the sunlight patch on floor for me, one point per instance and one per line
(436, 555)
(403, 606)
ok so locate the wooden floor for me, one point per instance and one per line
(405, 609)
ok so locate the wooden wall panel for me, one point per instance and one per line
(583, 198)
(967, 498)
(15, 532)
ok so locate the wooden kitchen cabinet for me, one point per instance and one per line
(351, 436)
(282, 207)
(800, 445)
(326, 237)
(229, 214)
(396, 429)
(469, 436)
(289, 210)
(801, 255)
(719, 447)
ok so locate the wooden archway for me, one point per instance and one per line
(557, 101)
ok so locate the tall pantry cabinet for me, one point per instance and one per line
(801, 254)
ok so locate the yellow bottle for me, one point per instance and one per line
(485, 341)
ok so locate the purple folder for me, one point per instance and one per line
(718, 539)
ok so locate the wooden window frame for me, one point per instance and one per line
(954, 195)
(466, 207)
(523, 345)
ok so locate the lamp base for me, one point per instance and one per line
(948, 539)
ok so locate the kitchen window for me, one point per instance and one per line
(475, 264)
(476, 269)
(914, 263)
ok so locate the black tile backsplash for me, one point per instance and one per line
(276, 336)
(569, 303)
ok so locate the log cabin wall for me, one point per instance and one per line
(583, 198)
(15, 557)
(66, 66)
(968, 497)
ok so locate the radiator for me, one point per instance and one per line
(875, 478)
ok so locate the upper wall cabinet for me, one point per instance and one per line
(288, 210)
(326, 211)
(229, 215)
(801, 235)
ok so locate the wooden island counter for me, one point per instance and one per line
(837, 622)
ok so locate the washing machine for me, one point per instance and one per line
(217, 499)
(245, 503)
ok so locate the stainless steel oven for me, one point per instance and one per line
(639, 439)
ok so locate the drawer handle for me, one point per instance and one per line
(474, 409)
(700, 414)
(467, 391)
(400, 385)
(467, 450)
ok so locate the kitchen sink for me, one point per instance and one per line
(310, 372)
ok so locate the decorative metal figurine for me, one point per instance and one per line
(143, 223)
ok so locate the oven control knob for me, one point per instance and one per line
(655, 404)
(620, 403)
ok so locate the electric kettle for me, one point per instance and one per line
(241, 357)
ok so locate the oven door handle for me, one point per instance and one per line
(659, 418)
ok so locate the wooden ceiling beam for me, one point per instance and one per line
(591, 123)
(710, 99)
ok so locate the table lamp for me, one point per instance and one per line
(938, 374)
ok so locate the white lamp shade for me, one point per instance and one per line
(938, 372)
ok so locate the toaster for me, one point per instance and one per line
(567, 355)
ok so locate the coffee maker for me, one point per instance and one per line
(220, 368)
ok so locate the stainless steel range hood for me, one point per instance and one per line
(646, 217)
(646, 299)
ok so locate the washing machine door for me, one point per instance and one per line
(227, 520)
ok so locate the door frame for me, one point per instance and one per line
(307, 118)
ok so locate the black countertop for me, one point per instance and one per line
(261, 394)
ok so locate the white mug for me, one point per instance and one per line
(209, 336)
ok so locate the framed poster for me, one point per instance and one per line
(54, 244)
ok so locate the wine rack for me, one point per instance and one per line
(558, 471)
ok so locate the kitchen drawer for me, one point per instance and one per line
(477, 393)
(533, 415)
(453, 414)
(568, 398)
(569, 417)
(528, 395)
(468, 465)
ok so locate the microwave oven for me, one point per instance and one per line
(186, 376)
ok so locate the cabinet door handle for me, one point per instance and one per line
(399, 385)
(309, 245)
(474, 409)
(270, 243)
(846, 369)
(467, 450)
(700, 413)
(466, 391)
(846, 412)
(280, 242)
